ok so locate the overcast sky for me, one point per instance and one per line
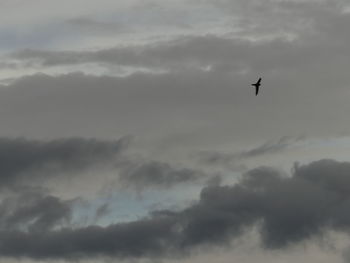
(130, 132)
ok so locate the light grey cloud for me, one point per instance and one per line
(295, 19)
(232, 159)
(90, 25)
(215, 52)
(70, 104)
(205, 90)
(327, 30)
(133, 20)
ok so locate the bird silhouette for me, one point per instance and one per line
(257, 86)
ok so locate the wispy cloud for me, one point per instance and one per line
(231, 159)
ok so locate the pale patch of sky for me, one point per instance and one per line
(127, 206)
(94, 69)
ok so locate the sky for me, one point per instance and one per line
(130, 131)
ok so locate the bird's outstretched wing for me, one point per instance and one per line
(259, 81)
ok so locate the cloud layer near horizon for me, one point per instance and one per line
(287, 209)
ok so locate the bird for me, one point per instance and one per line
(257, 85)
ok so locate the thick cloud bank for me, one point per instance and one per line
(27, 162)
(24, 160)
(288, 209)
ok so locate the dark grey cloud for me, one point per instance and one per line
(23, 160)
(102, 210)
(34, 211)
(26, 162)
(288, 209)
(145, 174)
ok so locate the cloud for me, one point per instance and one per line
(194, 84)
(34, 211)
(101, 211)
(270, 147)
(145, 174)
(293, 70)
(288, 210)
(190, 52)
(23, 160)
(90, 25)
(26, 162)
(323, 27)
(294, 18)
(72, 105)
(231, 159)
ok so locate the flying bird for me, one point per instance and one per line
(257, 86)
